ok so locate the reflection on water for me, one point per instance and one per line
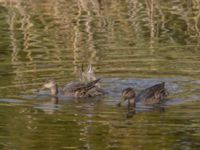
(129, 43)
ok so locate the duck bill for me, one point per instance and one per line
(42, 88)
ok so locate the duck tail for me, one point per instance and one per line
(163, 84)
(91, 84)
(95, 81)
(160, 85)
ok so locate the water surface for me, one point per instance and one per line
(129, 43)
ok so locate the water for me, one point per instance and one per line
(129, 43)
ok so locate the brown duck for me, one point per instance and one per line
(74, 89)
(152, 95)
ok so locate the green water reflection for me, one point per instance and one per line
(129, 43)
(25, 127)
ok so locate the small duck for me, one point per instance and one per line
(152, 95)
(74, 89)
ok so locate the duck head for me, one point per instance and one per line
(128, 94)
(52, 85)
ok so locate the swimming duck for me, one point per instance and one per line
(74, 89)
(152, 95)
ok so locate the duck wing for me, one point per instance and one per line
(152, 95)
(88, 86)
(77, 86)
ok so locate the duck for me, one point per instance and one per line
(155, 94)
(73, 89)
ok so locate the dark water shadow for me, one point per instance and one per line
(134, 111)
